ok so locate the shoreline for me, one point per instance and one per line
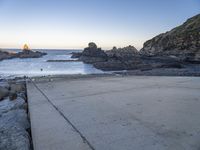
(188, 72)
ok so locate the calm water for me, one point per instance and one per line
(33, 66)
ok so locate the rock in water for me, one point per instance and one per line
(182, 41)
(120, 59)
(92, 54)
(23, 54)
(29, 54)
(125, 53)
(76, 54)
(6, 55)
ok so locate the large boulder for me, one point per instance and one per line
(76, 54)
(126, 58)
(6, 105)
(125, 53)
(3, 92)
(17, 87)
(182, 42)
(92, 54)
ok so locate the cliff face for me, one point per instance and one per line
(182, 41)
(125, 53)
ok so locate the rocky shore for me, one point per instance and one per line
(14, 122)
(22, 54)
(178, 48)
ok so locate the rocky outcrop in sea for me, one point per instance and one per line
(92, 54)
(127, 58)
(6, 55)
(23, 54)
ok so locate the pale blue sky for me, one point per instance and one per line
(74, 23)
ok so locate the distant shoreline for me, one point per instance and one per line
(155, 72)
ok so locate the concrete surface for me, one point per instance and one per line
(116, 113)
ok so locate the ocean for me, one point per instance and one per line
(40, 67)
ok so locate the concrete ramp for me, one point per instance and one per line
(50, 131)
(115, 113)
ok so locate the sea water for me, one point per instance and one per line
(40, 67)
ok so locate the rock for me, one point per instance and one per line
(182, 41)
(120, 59)
(14, 139)
(92, 45)
(30, 54)
(13, 134)
(3, 92)
(13, 117)
(12, 96)
(23, 54)
(125, 53)
(6, 105)
(22, 95)
(138, 62)
(92, 54)
(4, 84)
(17, 87)
(127, 58)
(5, 55)
(76, 54)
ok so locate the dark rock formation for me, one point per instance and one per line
(120, 59)
(76, 54)
(122, 53)
(182, 42)
(6, 55)
(127, 58)
(3, 92)
(138, 62)
(92, 54)
(30, 54)
(23, 54)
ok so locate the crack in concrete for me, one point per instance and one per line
(68, 121)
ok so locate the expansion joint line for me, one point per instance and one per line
(66, 119)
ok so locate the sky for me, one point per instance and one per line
(72, 24)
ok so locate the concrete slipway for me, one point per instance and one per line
(115, 113)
